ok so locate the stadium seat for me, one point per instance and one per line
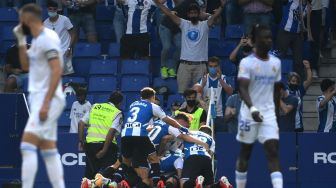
(7, 33)
(87, 50)
(114, 50)
(90, 98)
(70, 99)
(68, 79)
(170, 83)
(130, 97)
(221, 48)
(82, 66)
(102, 84)
(234, 31)
(104, 13)
(161, 98)
(174, 98)
(105, 32)
(133, 83)
(228, 68)
(4, 45)
(82, 36)
(135, 67)
(103, 67)
(215, 32)
(8, 15)
(232, 81)
(155, 66)
(286, 66)
(101, 98)
(64, 120)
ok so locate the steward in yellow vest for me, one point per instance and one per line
(104, 124)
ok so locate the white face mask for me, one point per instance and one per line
(52, 14)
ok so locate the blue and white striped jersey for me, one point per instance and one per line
(298, 93)
(171, 161)
(139, 12)
(327, 115)
(194, 149)
(160, 130)
(140, 114)
(291, 16)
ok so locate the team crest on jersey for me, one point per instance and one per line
(193, 35)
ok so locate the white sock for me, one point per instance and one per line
(241, 178)
(29, 164)
(276, 178)
(54, 167)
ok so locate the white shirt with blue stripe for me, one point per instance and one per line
(195, 149)
(326, 114)
(138, 15)
(291, 19)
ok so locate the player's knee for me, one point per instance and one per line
(26, 147)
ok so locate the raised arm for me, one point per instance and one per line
(191, 139)
(218, 12)
(167, 12)
(22, 45)
(308, 82)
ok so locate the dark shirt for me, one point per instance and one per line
(181, 10)
(12, 57)
(212, 5)
(203, 116)
(233, 101)
(287, 121)
(89, 9)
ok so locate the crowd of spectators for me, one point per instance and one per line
(183, 28)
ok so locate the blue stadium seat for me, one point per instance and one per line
(234, 31)
(102, 84)
(215, 32)
(286, 65)
(82, 36)
(130, 97)
(8, 15)
(155, 49)
(82, 66)
(284, 78)
(64, 120)
(101, 98)
(4, 45)
(70, 99)
(135, 67)
(104, 67)
(170, 83)
(228, 68)
(134, 83)
(174, 98)
(221, 48)
(87, 50)
(105, 32)
(104, 13)
(90, 98)
(160, 97)
(232, 81)
(68, 79)
(114, 50)
(7, 33)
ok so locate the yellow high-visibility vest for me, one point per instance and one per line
(196, 118)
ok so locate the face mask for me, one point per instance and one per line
(293, 87)
(194, 20)
(26, 29)
(191, 103)
(52, 14)
(212, 70)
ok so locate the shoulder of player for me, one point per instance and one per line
(320, 98)
(274, 59)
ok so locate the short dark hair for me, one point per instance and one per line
(189, 92)
(33, 9)
(194, 6)
(294, 74)
(81, 91)
(147, 93)
(326, 83)
(256, 30)
(52, 3)
(281, 85)
(214, 59)
(182, 116)
(116, 97)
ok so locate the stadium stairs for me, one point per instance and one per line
(327, 70)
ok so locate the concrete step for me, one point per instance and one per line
(310, 115)
(310, 124)
(309, 106)
(327, 70)
(314, 90)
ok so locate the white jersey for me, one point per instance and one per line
(61, 27)
(39, 68)
(77, 113)
(262, 75)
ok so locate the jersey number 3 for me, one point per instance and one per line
(133, 114)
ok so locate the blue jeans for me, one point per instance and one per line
(119, 24)
(250, 19)
(233, 12)
(167, 40)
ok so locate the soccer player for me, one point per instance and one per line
(46, 100)
(257, 76)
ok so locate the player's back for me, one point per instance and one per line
(262, 75)
(46, 44)
(159, 131)
(195, 149)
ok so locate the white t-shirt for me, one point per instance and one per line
(77, 113)
(194, 40)
(61, 27)
(325, 3)
(39, 68)
(316, 4)
(262, 75)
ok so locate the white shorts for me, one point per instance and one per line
(46, 130)
(249, 131)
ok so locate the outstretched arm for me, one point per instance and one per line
(191, 139)
(218, 12)
(167, 12)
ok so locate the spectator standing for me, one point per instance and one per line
(119, 20)
(216, 80)
(135, 43)
(64, 28)
(243, 49)
(326, 107)
(194, 48)
(290, 34)
(79, 109)
(314, 33)
(298, 89)
(287, 112)
(81, 14)
(256, 12)
(13, 68)
(232, 109)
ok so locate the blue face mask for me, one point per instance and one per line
(212, 70)
(52, 14)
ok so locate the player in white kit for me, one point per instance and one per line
(46, 100)
(258, 74)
